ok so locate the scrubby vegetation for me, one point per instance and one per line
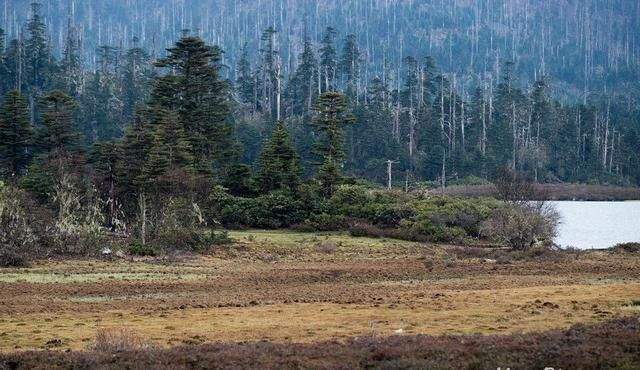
(74, 224)
(610, 345)
(628, 247)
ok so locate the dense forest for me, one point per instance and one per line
(400, 109)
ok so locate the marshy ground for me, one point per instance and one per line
(287, 287)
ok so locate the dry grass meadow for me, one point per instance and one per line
(285, 287)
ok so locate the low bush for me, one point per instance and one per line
(277, 209)
(13, 259)
(217, 238)
(521, 226)
(364, 229)
(322, 222)
(114, 340)
(147, 250)
(359, 209)
(184, 239)
(628, 247)
(327, 247)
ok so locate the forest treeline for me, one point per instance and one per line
(430, 130)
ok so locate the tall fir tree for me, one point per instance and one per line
(168, 168)
(137, 74)
(350, 66)
(245, 81)
(332, 115)
(328, 61)
(38, 55)
(195, 90)
(71, 63)
(58, 132)
(16, 135)
(135, 147)
(279, 168)
(303, 86)
(542, 124)
(13, 64)
(269, 73)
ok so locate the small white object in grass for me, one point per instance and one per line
(399, 331)
(106, 252)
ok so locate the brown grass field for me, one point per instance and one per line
(281, 288)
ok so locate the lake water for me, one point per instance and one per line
(588, 225)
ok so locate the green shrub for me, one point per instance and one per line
(217, 238)
(148, 250)
(628, 247)
(13, 259)
(363, 229)
(182, 238)
(322, 222)
(274, 210)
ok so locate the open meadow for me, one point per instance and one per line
(286, 287)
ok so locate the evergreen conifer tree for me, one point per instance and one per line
(328, 63)
(332, 116)
(58, 132)
(350, 66)
(196, 92)
(279, 167)
(38, 56)
(16, 135)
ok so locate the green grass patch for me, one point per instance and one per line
(286, 238)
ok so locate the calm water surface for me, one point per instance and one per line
(588, 225)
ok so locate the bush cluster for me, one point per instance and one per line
(29, 230)
(359, 209)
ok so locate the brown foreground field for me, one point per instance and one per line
(308, 289)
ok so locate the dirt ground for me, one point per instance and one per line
(293, 287)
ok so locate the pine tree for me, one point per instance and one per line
(135, 147)
(58, 132)
(38, 56)
(245, 84)
(71, 63)
(16, 135)
(331, 118)
(303, 86)
(5, 79)
(350, 66)
(504, 130)
(269, 73)
(13, 61)
(195, 90)
(328, 63)
(169, 165)
(279, 167)
(105, 157)
(136, 78)
(542, 123)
